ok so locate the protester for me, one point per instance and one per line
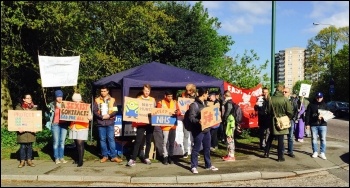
(300, 121)
(26, 138)
(200, 137)
(79, 132)
(191, 92)
(220, 132)
(318, 125)
(280, 106)
(141, 129)
(58, 127)
(169, 132)
(214, 129)
(105, 110)
(290, 137)
(263, 117)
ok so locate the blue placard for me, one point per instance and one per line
(163, 120)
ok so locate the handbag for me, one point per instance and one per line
(282, 122)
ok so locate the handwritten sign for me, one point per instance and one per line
(210, 116)
(305, 90)
(25, 120)
(73, 111)
(59, 71)
(163, 117)
(184, 104)
(137, 110)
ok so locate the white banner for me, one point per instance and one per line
(59, 71)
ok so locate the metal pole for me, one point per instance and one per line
(273, 29)
(331, 65)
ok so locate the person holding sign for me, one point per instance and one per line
(105, 110)
(191, 92)
(79, 132)
(58, 127)
(26, 138)
(141, 129)
(214, 129)
(200, 136)
(169, 132)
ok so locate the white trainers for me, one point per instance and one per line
(131, 163)
(323, 156)
(194, 170)
(213, 168)
(57, 161)
(314, 155)
(147, 161)
(63, 161)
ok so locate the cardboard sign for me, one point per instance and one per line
(210, 116)
(184, 104)
(163, 117)
(118, 128)
(73, 111)
(59, 71)
(304, 90)
(25, 120)
(137, 110)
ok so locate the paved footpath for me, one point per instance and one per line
(252, 166)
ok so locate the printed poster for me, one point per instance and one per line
(59, 71)
(163, 117)
(25, 120)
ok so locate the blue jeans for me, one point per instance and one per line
(59, 134)
(321, 131)
(198, 139)
(290, 137)
(25, 151)
(106, 134)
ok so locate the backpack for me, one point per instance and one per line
(237, 113)
(187, 123)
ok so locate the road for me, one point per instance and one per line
(338, 129)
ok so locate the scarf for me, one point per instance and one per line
(27, 105)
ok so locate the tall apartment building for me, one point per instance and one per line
(289, 66)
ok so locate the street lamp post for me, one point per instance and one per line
(331, 82)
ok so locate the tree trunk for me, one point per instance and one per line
(6, 102)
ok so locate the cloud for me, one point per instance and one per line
(331, 12)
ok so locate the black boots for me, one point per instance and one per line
(165, 160)
(170, 160)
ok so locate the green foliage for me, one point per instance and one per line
(8, 138)
(296, 87)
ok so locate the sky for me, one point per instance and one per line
(249, 23)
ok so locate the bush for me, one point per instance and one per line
(8, 138)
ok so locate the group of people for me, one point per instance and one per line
(105, 110)
(303, 117)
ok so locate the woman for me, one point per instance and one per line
(58, 127)
(26, 138)
(79, 132)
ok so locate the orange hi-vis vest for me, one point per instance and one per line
(110, 102)
(172, 105)
(139, 124)
(79, 125)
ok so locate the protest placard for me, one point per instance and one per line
(210, 116)
(163, 117)
(137, 110)
(59, 71)
(25, 120)
(304, 90)
(73, 111)
(184, 104)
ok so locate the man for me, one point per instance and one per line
(280, 106)
(318, 124)
(263, 117)
(105, 110)
(200, 136)
(290, 136)
(169, 132)
(214, 129)
(191, 92)
(143, 128)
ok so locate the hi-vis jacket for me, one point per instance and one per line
(169, 105)
(137, 124)
(112, 110)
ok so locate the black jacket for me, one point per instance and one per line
(195, 114)
(311, 117)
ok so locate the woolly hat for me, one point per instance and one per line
(76, 97)
(58, 93)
